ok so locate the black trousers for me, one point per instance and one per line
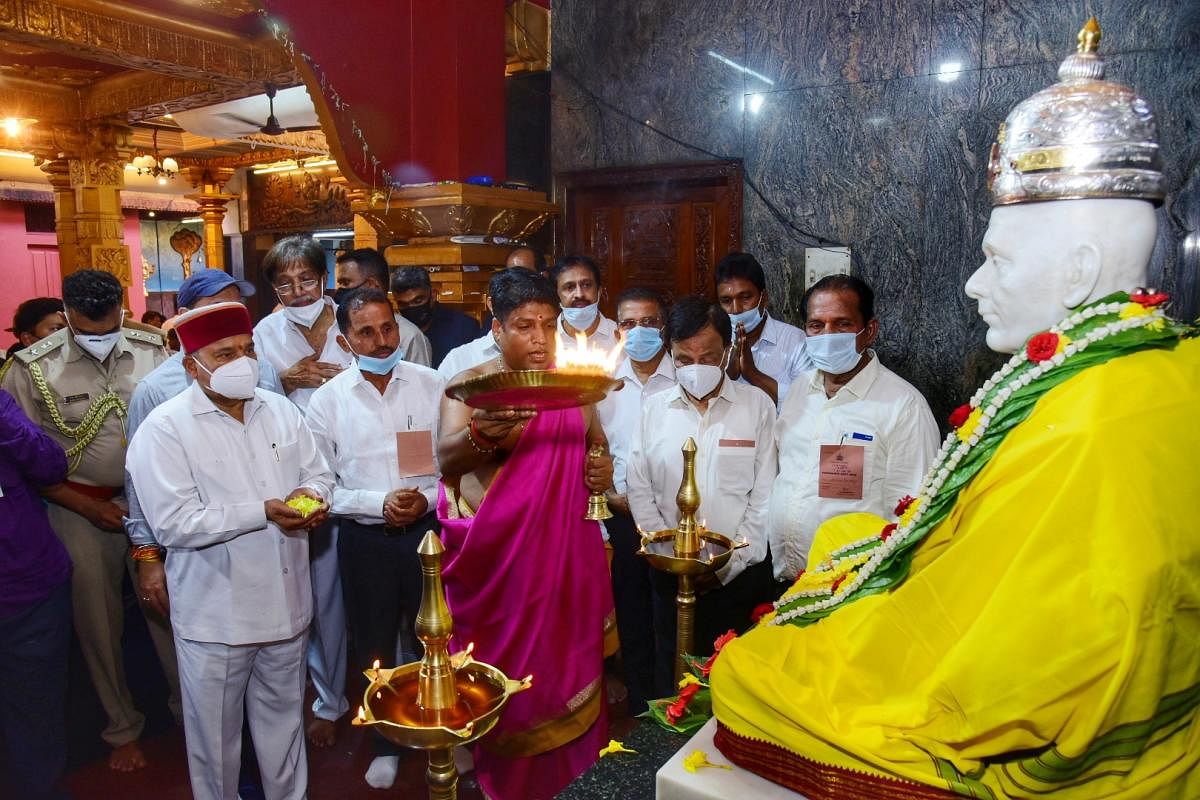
(381, 585)
(641, 612)
(33, 690)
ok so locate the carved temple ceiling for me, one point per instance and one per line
(76, 62)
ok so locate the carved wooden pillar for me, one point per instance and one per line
(208, 183)
(365, 233)
(86, 167)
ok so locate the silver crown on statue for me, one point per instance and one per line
(1083, 137)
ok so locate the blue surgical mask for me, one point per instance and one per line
(749, 319)
(834, 353)
(380, 366)
(642, 343)
(581, 318)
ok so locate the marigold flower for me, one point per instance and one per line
(965, 430)
(911, 511)
(1131, 310)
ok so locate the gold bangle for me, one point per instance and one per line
(146, 552)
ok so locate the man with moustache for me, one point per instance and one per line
(577, 280)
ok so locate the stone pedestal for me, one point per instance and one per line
(673, 782)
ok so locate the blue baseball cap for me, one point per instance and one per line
(206, 283)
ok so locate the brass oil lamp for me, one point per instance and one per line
(443, 700)
(687, 551)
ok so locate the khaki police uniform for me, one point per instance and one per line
(56, 377)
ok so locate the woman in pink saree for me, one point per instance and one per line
(526, 576)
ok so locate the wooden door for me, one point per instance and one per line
(661, 227)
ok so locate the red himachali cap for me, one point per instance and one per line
(203, 326)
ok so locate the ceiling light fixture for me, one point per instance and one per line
(14, 125)
(147, 164)
(299, 165)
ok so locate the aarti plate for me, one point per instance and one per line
(543, 390)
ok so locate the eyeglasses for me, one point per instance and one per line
(645, 322)
(289, 289)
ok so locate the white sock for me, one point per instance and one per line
(382, 772)
(464, 762)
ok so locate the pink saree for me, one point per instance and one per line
(527, 581)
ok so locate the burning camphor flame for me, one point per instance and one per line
(584, 358)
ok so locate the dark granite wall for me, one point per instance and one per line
(839, 114)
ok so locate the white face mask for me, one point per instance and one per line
(235, 380)
(98, 345)
(699, 380)
(581, 318)
(834, 353)
(305, 315)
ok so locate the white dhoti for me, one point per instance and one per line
(268, 679)
(327, 634)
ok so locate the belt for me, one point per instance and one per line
(96, 492)
(420, 526)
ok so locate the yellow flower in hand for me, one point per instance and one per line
(614, 746)
(698, 759)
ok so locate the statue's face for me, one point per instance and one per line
(1021, 286)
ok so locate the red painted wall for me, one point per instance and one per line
(422, 79)
(30, 268)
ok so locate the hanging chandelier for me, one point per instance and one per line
(147, 164)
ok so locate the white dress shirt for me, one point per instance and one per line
(356, 426)
(782, 353)
(604, 336)
(877, 410)
(621, 411)
(735, 466)
(278, 341)
(471, 354)
(203, 477)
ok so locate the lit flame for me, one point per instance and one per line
(584, 358)
(375, 665)
(528, 679)
(470, 648)
(362, 715)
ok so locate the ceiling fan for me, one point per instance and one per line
(271, 127)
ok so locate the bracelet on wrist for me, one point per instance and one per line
(483, 451)
(480, 436)
(146, 552)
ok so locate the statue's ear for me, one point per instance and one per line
(1083, 274)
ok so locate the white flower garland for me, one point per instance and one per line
(1000, 387)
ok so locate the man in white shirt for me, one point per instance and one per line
(300, 342)
(211, 465)
(376, 425)
(577, 281)
(645, 370)
(853, 436)
(767, 353)
(733, 426)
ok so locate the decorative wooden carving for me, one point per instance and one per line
(702, 241)
(112, 259)
(598, 241)
(650, 240)
(298, 201)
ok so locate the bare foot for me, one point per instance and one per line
(321, 733)
(127, 758)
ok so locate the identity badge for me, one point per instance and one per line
(841, 472)
(414, 453)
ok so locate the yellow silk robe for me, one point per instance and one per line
(1047, 638)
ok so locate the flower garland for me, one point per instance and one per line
(1113, 326)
